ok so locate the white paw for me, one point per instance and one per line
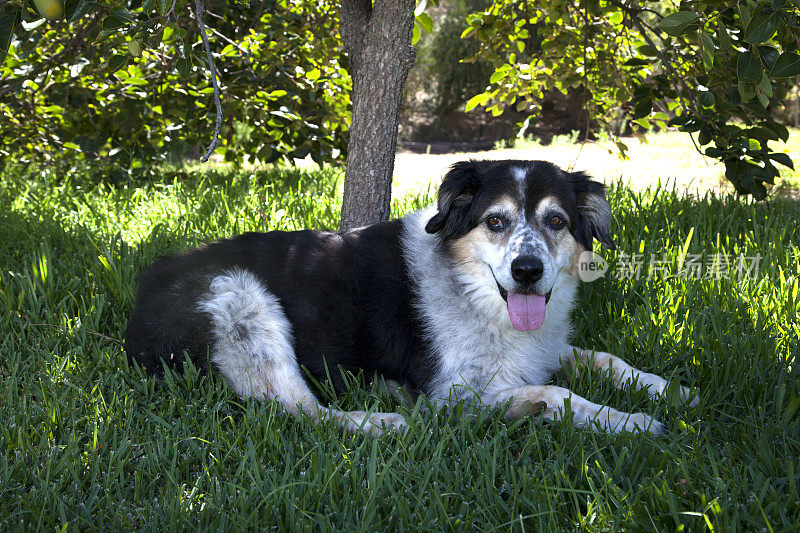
(380, 423)
(657, 387)
(619, 422)
(692, 396)
(376, 424)
(642, 422)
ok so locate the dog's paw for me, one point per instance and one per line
(642, 422)
(659, 387)
(375, 424)
(620, 422)
(690, 396)
(380, 423)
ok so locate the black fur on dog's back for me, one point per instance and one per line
(347, 297)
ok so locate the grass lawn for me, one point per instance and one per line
(667, 157)
(87, 442)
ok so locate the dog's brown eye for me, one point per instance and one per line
(555, 221)
(494, 223)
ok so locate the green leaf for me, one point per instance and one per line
(762, 26)
(723, 38)
(707, 50)
(747, 90)
(6, 32)
(748, 67)
(184, 66)
(679, 120)
(706, 99)
(498, 75)
(642, 108)
(415, 33)
(425, 21)
(75, 9)
(112, 23)
(647, 50)
(762, 133)
(83, 8)
(786, 66)
(769, 56)
(122, 14)
(783, 159)
(764, 90)
(135, 80)
(478, 99)
(780, 130)
(116, 62)
(680, 22)
(637, 62)
(745, 13)
(313, 75)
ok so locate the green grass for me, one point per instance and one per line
(87, 442)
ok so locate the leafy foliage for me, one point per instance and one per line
(442, 81)
(713, 68)
(127, 83)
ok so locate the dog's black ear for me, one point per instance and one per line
(455, 197)
(594, 214)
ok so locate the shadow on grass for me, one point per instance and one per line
(102, 444)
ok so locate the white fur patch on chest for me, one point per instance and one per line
(476, 349)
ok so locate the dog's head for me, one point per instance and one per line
(519, 224)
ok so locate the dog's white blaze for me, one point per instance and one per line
(478, 351)
(520, 175)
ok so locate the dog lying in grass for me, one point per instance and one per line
(468, 300)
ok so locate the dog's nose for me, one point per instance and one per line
(527, 269)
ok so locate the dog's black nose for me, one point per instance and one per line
(527, 269)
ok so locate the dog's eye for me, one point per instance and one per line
(556, 222)
(495, 223)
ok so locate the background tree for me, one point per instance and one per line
(714, 68)
(124, 85)
(378, 43)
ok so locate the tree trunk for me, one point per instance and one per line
(377, 40)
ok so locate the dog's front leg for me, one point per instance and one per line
(623, 374)
(551, 403)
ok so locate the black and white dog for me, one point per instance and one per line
(468, 300)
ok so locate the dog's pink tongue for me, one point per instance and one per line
(526, 311)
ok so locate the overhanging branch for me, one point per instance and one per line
(199, 16)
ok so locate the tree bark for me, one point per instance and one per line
(377, 40)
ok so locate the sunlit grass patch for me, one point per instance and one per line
(88, 442)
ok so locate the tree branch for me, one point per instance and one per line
(204, 34)
(170, 15)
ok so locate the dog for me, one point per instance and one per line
(468, 300)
